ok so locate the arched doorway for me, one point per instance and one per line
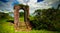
(21, 15)
(26, 16)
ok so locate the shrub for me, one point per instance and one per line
(49, 19)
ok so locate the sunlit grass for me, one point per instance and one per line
(21, 19)
(6, 27)
(38, 31)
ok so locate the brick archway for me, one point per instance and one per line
(26, 16)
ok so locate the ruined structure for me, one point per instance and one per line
(26, 16)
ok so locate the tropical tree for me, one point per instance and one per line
(4, 15)
(46, 19)
(21, 14)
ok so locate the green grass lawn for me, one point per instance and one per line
(6, 27)
(39, 31)
(21, 19)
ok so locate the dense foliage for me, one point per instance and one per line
(4, 15)
(21, 14)
(46, 19)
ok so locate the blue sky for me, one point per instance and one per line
(7, 5)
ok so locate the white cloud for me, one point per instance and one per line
(6, 6)
(51, 1)
(41, 5)
(32, 3)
